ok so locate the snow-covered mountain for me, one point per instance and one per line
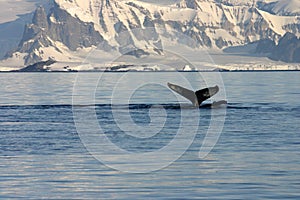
(137, 28)
(281, 7)
(278, 7)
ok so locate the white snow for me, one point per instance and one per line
(207, 13)
(79, 8)
(13, 63)
(287, 7)
(277, 22)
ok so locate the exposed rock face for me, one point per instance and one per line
(265, 46)
(40, 18)
(221, 43)
(288, 49)
(58, 26)
(71, 31)
(188, 4)
(38, 67)
(131, 27)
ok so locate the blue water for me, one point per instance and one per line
(43, 154)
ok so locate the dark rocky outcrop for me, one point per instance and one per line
(71, 31)
(220, 42)
(57, 26)
(265, 46)
(192, 4)
(287, 49)
(37, 67)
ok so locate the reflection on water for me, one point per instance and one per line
(256, 157)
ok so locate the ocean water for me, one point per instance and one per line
(127, 136)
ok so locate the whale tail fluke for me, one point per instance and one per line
(189, 94)
(206, 93)
(195, 97)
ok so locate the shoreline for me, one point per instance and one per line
(159, 71)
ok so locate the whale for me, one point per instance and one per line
(198, 97)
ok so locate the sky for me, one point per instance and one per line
(10, 9)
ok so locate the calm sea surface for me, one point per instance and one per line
(47, 150)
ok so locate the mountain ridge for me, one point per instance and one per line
(124, 26)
